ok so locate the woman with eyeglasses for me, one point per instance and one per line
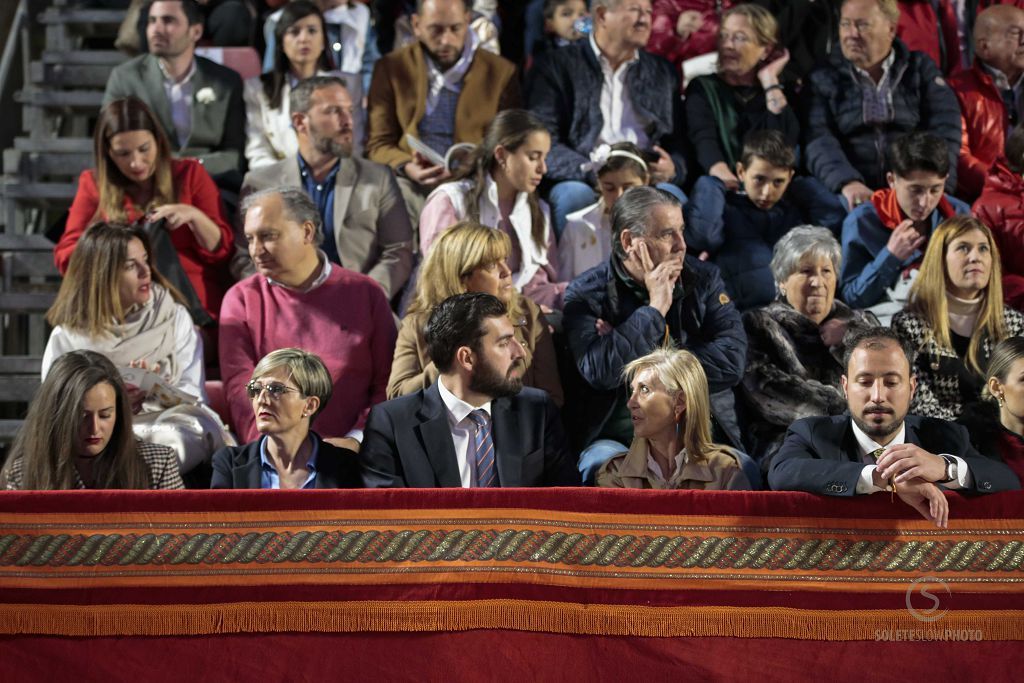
(745, 95)
(288, 388)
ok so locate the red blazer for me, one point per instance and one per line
(983, 117)
(206, 270)
(1001, 208)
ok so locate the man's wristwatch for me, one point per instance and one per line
(951, 469)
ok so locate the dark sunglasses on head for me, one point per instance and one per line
(276, 389)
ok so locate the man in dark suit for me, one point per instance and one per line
(198, 102)
(878, 447)
(476, 426)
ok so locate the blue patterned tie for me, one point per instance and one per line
(483, 450)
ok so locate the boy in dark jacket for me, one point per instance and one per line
(738, 230)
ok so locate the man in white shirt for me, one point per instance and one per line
(476, 426)
(603, 90)
(878, 447)
(197, 102)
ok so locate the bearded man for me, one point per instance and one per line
(366, 226)
(476, 426)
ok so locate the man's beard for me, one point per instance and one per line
(328, 145)
(879, 430)
(489, 382)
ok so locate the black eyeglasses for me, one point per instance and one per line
(276, 389)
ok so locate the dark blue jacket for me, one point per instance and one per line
(841, 147)
(564, 91)
(869, 268)
(703, 320)
(740, 236)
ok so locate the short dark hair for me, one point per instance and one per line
(919, 151)
(299, 100)
(770, 146)
(875, 338)
(550, 6)
(1015, 149)
(459, 321)
(633, 209)
(193, 12)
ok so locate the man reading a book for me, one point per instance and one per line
(366, 226)
(441, 90)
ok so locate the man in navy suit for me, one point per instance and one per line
(878, 446)
(476, 426)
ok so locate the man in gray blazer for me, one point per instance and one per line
(198, 102)
(366, 225)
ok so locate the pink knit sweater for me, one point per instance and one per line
(346, 321)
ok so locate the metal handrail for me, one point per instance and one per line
(11, 46)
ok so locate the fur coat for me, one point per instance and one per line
(791, 373)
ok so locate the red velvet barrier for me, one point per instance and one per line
(557, 584)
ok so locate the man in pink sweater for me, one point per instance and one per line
(298, 298)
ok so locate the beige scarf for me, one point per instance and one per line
(147, 334)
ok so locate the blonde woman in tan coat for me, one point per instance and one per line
(671, 415)
(469, 257)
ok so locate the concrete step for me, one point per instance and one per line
(83, 145)
(63, 75)
(44, 165)
(50, 99)
(55, 192)
(84, 57)
(68, 15)
(9, 430)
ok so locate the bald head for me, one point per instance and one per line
(998, 37)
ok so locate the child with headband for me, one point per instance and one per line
(587, 240)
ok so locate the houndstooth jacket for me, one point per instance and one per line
(161, 461)
(938, 370)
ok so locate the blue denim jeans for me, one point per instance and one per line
(595, 455)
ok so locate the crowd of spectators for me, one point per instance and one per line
(642, 243)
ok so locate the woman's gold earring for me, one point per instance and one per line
(1001, 400)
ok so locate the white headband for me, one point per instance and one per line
(600, 156)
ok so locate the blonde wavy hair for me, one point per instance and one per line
(928, 293)
(453, 257)
(681, 372)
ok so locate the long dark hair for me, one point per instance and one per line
(88, 301)
(509, 129)
(45, 444)
(123, 116)
(274, 80)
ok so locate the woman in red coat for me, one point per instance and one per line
(135, 180)
(1001, 208)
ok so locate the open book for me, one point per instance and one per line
(457, 155)
(156, 388)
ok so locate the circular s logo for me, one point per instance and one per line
(930, 589)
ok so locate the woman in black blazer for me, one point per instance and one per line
(288, 388)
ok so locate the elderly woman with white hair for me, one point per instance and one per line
(287, 389)
(794, 357)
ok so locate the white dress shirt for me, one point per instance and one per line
(463, 430)
(867, 445)
(179, 95)
(620, 120)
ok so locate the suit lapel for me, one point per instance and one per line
(153, 81)
(419, 67)
(344, 183)
(200, 112)
(248, 475)
(849, 450)
(507, 442)
(436, 439)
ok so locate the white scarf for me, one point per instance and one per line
(452, 78)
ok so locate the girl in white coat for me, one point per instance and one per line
(499, 190)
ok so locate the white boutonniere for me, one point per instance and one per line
(206, 96)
